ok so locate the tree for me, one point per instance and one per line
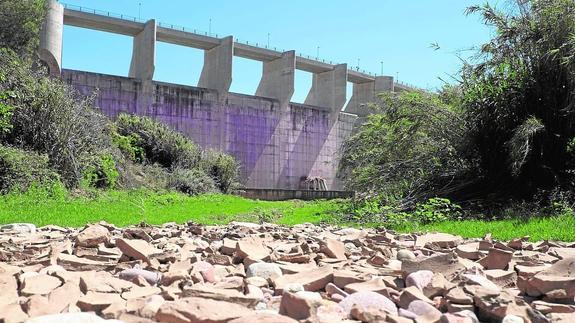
(21, 21)
(519, 100)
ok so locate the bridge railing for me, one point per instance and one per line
(210, 34)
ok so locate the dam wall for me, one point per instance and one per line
(278, 145)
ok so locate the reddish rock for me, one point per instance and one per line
(419, 279)
(12, 313)
(96, 302)
(253, 248)
(496, 259)
(264, 318)
(333, 249)
(441, 240)
(92, 236)
(297, 306)
(447, 264)
(39, 285)
(137, 249)
(312, 280)
(367, 300)
(200, 310)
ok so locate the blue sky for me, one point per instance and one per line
(397, 32)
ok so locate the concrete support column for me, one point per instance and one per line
(328, 89)
(50, 51)
(364, 93)
(144, 53)
(217, 70)
(278, 79)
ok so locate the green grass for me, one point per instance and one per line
(561, 227)
(124, 208)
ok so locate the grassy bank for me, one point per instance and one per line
(132, 207)
(561, 227)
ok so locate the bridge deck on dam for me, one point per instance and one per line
(276, 149)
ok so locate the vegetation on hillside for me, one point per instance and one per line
(503, 136)
(52, 137)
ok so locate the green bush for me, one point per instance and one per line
(47, 117)
(192, 182)
(406, 151)
(21, 21)
(20, 170)
(437, 210)
(158, 143)
(519, 99)
(223, 168)
(101, 173)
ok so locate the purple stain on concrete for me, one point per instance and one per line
(285, 145)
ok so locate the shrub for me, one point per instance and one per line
(437, 210)
(223, 168)
(20, 170)
(21, 21)
(158, 143)
(192, 182)
(101, 173)
(47, 117)
(519, 98)
(408, 150)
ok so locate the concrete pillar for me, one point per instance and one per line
(278, 79)
(364, 93)
(328, 89)
(217, 71)
(50, 51)
(144, 53)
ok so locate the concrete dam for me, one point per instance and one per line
(278, 143)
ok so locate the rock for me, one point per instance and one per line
(258, 281)
(405, 254)
(92, 236)
(137, 249)
(441, 240)
(454, 318)
(96, 302)
(371, 314)
(206, 270)
(411, 294)
(458, 296)
(70, 318)
(332, 289)
(496, 259)
(312, 280)
(264, 270)
(481, 281)
(264, 318)
(194, 309)
(419, 279)
(469, 251)
(424, 310)
(19, 228)
(299, 306)
(366, 300)
(253, 248)
(512, 319)
(333, 249)
(375, 285)
(39, 285)
(447, 264)
(130, 274)
(559, 277)
(12, 313)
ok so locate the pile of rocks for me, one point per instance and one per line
(266, 273)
